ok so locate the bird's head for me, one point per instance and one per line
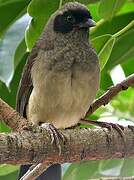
(72, 16)
(69, 23)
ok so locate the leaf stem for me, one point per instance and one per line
(119, 33)
(60, 4)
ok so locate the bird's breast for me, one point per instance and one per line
(61, 97)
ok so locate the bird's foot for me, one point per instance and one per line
(109, 126)
(56, 135)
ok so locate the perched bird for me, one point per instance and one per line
(61, 76)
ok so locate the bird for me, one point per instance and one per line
(61, 76)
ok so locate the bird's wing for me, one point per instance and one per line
(24, 91)
(26, 86)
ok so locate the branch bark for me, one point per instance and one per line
(11, 117)
(82, 144)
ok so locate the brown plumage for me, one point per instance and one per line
(61, 76)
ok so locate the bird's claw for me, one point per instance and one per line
(56, 135)
(109, 126)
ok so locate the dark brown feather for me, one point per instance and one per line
(26, 86)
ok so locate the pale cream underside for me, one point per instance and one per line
(59, 98)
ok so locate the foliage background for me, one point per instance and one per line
(21, 23)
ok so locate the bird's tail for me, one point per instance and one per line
(52, 173)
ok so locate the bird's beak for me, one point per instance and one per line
(89, 23)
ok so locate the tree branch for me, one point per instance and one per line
(82, 144)
(27, 147)
(108, 95)
(11, 117)
(35, 171)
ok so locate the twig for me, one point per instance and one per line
(35, 171)
(108, 95)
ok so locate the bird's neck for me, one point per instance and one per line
(75, 38)
(50, 40)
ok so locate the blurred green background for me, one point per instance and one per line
(21, 23)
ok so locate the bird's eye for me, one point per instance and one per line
(70, 19)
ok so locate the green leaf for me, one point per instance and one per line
(10, 96)
(3, 127)
(16, 79)
(7, 46)
(105, 80)
(7, 169)
(128, 7)
(33, 31)
(127, 169)
(106, 52)
(113, 26)
(10, 176)
(97, 114)
(108, 8)
(103, 45)
(39, 8)
(93, 8)
(81, 1)
(19, 53)
(123, 50)
(100, 41)
(11, 11)
(99, 169)
(4, 92)
(128, 66)
(40, 12)
(83, 170)
(124, 103)
(111, 167)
